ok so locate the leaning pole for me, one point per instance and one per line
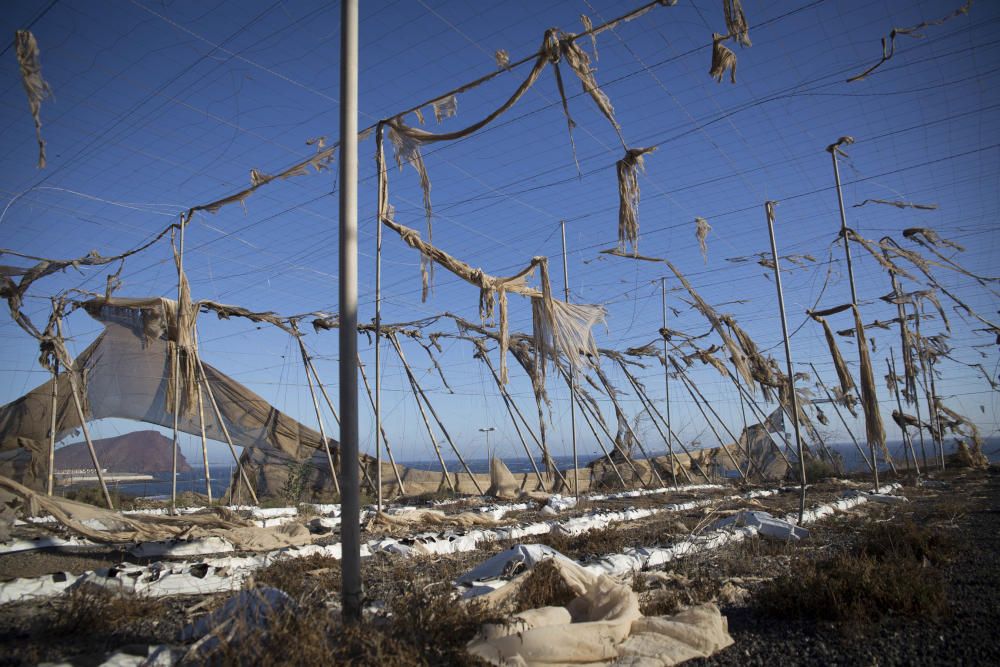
(350, 529)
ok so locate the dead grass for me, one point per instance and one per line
(906, 541)
(855, 589)
(421, 625)
(101, 613)
(544, 586)
(313, 578)
(889, 572)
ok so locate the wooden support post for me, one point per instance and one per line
(427, 423)
(933, 418)
(176, 366)
(686, 381)
(597, 438)
(584, 409)
(836, 408)
(891, 363)
(666, 381)
(572, 383)
(647, 404)
(175, 371)
(78, 404)
(225, 433)
(385, 439)
(510, 411)
(204, 445)
(90, 443)
(377, 402)
(635, 436)
(52, 428)
(307, 365)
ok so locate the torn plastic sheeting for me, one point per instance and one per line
(243, 616)
(26, 588)
(646, 557)
(207, 545)
(511, 562)
(319, 524)
(46, 542)
(886, 499)
(583, 524)
(558, 503)
(271, 522)
(765, 524)
(497, 512)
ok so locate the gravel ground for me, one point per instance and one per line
(968, 636)
(967, 507)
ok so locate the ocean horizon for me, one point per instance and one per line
(220, 473)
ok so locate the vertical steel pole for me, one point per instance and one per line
(380, 164)
(666, 379)
(572, 384)
(350, 529)
(176, 370)
(843, 221)
(52, 427)
(832, 149)
(769, 211)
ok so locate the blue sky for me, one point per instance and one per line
(159, 106)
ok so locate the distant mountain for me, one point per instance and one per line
(141, 451)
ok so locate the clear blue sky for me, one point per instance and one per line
(159, 106)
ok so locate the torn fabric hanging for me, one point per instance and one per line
(722, 59)
(736, 22)
(628, 196)
(36, 88)
(843, 373)
(126, 374)
(874, 428)
(564, 327)
(701, 230)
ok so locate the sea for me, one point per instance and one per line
(159, 487)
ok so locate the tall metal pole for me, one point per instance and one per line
(769, 211)
(378, 334)
(666, 378)
(350, 528)
(176, 371)
(572, 383)
(833, 149)
(52, 427)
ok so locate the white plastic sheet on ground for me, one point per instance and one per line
(765, 525)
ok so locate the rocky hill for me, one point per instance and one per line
(141, 451)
